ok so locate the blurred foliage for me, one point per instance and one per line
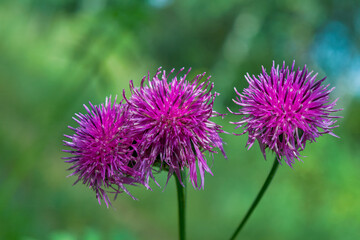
(57, 55)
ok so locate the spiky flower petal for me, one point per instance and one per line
(285, 109)
(103, 154)
(171, 124)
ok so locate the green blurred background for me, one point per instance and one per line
(56, 55)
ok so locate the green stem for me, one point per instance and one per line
(181, 203)
(258, 197)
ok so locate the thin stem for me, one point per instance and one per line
(258, 197)
(181, 203)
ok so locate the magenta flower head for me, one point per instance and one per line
(284, 110)
(103, 154)
(171, 124)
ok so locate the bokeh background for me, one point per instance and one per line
(56, 55)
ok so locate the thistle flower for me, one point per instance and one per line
(171, 124)
(284, 110)
(103, 154)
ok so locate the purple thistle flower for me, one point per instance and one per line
(284, 110)
(171, 124)
(103, 154)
